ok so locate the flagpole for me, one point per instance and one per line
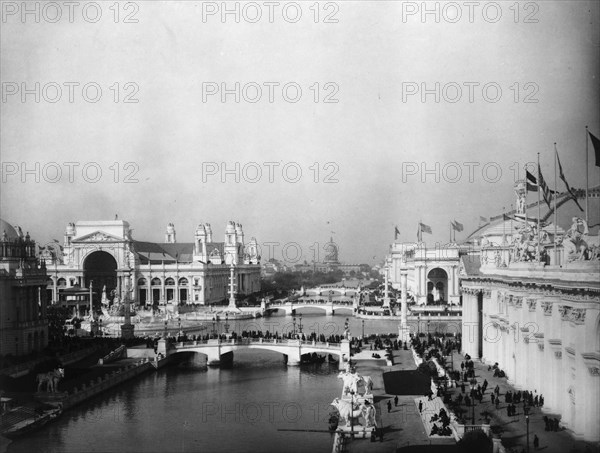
(556, 196)
(511, 224)
(503, 225)
(538, 219)
(450, 232)
(587, 185)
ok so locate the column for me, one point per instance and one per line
(191, 289)
(55, 290)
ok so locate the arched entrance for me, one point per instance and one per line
(437, 286)
(100, 268)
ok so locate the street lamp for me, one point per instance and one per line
(363, 328)
(226, 323)
(472, 384)
(166, 328)
(214, 331)
(351, 415)
(526, 410)
(294, 323)
(428, 328)
(300, 323)
(347, 328)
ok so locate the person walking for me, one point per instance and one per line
(389, 406)
(396, 400)
(420, 406)
(536, 442)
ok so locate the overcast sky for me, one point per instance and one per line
(370, 147)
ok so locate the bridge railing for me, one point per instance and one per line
(251, 341)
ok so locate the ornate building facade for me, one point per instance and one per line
(534, 308)
(104, 255)
(431, 274)
(23, 319)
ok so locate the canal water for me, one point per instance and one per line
(259, 404)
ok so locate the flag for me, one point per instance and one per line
(483, 219)
(546, 192)
(425, 228)
(506, 217)
(569, 189)
(457, 226)
(532, 185)
(596, 145)
(396, 232)
(56, 240)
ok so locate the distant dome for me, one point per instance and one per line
(10, 231)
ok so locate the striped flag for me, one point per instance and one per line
(532, 185)
(569, 188)
(483, 219)
(457, 226)
(396, 232)
(596, 145)
(546, 192)
(425, 228)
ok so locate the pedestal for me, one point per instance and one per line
(127, 331)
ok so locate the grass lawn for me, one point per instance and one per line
(406, 382)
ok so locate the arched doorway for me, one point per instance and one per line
(437, 286)
(100, 268)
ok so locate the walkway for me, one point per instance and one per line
(514, 429)
(402, 426)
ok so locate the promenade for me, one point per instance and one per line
(513, 429)
(403, 428)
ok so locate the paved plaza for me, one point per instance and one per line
(404, 430)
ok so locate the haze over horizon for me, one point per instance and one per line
(307, 170)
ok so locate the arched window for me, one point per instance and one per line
(155, 281)
(169, 282)
(183, 281)
(142, 282)
(62, 282)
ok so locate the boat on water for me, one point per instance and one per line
(23, 420)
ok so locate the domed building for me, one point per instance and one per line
(23, 319)
(531, 304)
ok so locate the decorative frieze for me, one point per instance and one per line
(564, 312)
(487, 292)
(558, 354)
(547, 307)
(531, 304)
(511, 300)
(518, 300)
(575, 315)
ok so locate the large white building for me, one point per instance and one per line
(104, 254)
(431, 273)
(534, 308)
(23, 319)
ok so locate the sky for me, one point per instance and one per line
(302, 122)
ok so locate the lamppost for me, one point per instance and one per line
(526, 410)
(214, 331)
(166, 328)
(294, 323)
(300, 324)
(351, 415)
(226, 323)
(473, 402)
(179, 322)
(363, 328)
(428, 328)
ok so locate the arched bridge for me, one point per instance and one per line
(218, 350)
(329, 307)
